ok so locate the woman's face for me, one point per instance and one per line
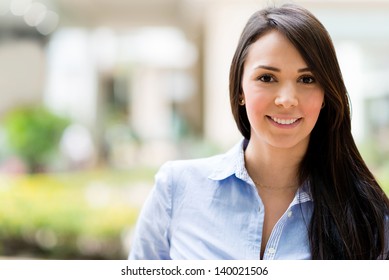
(283, 99)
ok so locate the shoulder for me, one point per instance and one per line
(216, 167)
(193, 168)
(182, 178)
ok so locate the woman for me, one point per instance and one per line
(296, 186)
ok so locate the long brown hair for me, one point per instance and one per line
(350, 208)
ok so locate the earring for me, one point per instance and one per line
(241, 102)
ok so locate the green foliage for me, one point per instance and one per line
(70, 216)
(377, 159)
(33, 133)
(383, 177)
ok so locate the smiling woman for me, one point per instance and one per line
(283, 98)
(283, 102)
(296, 186)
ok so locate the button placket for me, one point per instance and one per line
(271, 251)
(275, 235)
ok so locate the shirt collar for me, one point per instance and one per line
(231, 163)
(303, 194)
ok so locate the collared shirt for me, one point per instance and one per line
(210, 209)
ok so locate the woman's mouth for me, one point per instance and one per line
(285, 121)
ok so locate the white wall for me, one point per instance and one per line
(22, 69)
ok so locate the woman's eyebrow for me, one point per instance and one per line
(306, 69)
(271, 68)
(275, 69)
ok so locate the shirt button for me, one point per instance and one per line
(271, 250)
(290, 213)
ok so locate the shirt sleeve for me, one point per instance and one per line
(151, 239)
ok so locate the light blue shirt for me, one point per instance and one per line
(210, 209)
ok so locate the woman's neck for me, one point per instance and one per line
(273, 168)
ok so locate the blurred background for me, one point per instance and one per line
(97, 94)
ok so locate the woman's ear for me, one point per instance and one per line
(242, 101)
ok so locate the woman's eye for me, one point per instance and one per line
(266, 78)
(307, 80)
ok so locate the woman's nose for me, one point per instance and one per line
(287, 96)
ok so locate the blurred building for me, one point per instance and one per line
(144, 76)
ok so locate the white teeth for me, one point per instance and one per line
(284, 121)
